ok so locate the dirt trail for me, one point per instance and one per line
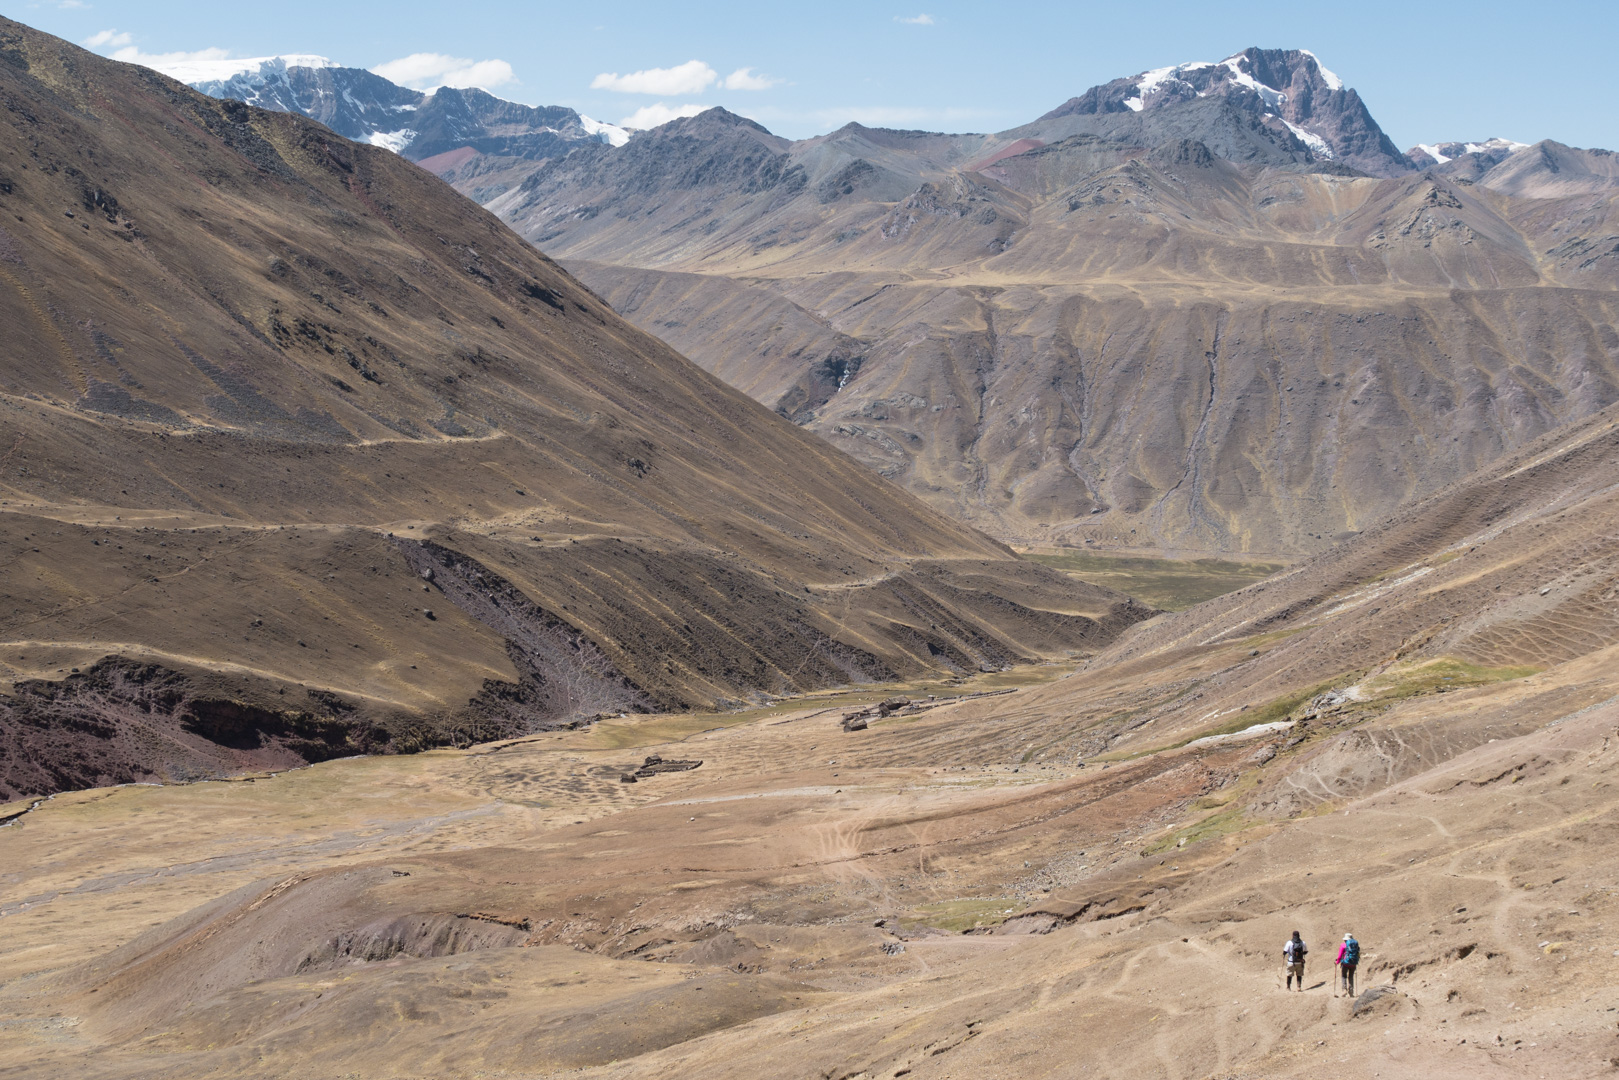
(1192, 1007)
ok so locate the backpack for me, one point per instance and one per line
(1351, 951)
(1294, 951)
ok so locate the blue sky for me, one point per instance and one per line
(1428, 71)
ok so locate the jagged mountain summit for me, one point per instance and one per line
(1287, 91)
(366, 107)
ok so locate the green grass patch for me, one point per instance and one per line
(1221, 823)
(621, 734)
(1446, 673)
(1230, 816)
(1170, 584)
(1274, 710)
(959, 915)
(1268, 713)
(1259, 641)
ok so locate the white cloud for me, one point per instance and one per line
(914, 20)
(202, 65)
(104, 38)
(692, 77)
(185, 66)
(745, 79)
(424, 71)
(71, 5)
(650, 116)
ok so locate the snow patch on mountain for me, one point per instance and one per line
(1496, 144)
(1445, 152)
(1318, 146)
(1155, 81)
(370, 108)
(392, 140)
(1332, 81)
(611, 134)
(1150, 82)
(1272, 97)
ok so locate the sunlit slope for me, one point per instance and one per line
(1410, 738)
(270, 398)
(1107, 333)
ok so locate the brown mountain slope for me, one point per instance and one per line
(338, 462)
(1119, 338)
(1427, 759)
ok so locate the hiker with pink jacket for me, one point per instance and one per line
(1348, 958)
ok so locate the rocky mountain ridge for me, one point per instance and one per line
(366, 107)
(1166, 328)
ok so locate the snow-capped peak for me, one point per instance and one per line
(611, 134)
(1200, 76)
(199, 71)
(1302, 104)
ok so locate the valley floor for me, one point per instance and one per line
(935, 896)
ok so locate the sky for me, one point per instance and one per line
(1427, 71)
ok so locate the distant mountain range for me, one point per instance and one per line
(419, 125)
(1298, 109)
(1209, 307)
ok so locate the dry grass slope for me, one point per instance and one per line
(1090, 875)
(253, 368)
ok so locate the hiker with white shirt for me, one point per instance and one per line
(1294, 953)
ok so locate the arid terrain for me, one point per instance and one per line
(1176, 329)
(1413, 737)
(303, 455)
(732, 758)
